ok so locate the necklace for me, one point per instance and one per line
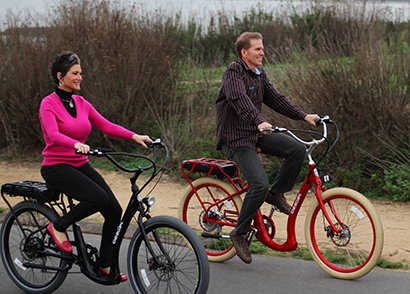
(70, 102)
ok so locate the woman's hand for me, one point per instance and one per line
(83, 148)
(141, 139)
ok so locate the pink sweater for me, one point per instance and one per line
(61, 131)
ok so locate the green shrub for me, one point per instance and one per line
(156, 75)
(393, 183)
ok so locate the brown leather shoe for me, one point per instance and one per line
(240, 243)
(279, 201)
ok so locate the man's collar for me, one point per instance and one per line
(247, 67)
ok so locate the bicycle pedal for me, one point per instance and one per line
(274, 208)
(252, 235)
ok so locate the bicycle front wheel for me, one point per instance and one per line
(180, 264)
(214, 236)
(356, 250)
(25, 249)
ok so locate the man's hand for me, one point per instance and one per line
(265, 125)
(310, 119)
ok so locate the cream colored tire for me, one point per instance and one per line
(354, 252)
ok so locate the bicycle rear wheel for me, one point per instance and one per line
(354, 252)
(215, 237)
(183, 266)
(24, 249)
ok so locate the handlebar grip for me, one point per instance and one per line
(95, 151)
(274, 130)
(323, 119)
(156, 142)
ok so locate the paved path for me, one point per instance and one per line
(266, 274)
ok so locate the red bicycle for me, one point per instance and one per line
(343, 232)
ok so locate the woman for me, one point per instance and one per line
(66, 121)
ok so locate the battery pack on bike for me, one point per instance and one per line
(39, 191)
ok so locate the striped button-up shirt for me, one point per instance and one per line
(239, 105)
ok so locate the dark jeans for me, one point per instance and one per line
(279, 145)
(86, 185)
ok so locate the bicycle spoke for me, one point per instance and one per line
(25, 244)
(354, 248)
(175, 266)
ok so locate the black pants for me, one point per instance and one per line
(87, 186)
(279, 145)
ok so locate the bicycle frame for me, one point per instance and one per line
(136, 204)
(217, 168)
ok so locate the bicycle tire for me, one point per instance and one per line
(356, 252)
(183, 268)
(16, 249)
(191, 212)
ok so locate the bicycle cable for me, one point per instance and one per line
(328, 149)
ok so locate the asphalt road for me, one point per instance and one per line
(266, 274)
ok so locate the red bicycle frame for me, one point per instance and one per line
(229, 170)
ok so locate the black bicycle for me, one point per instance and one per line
(164, 255)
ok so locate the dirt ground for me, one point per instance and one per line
(395, 217)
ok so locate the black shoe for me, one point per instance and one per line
(240, 243)
(279, 201)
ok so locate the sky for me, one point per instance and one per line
(187, 7)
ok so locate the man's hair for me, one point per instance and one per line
(244, 41)
(62, 63)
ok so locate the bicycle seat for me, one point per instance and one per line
(40, 191)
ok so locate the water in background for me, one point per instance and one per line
(202, 10)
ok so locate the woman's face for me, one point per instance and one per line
(72, 80)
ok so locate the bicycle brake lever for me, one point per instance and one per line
(320, 121)
(153, 143)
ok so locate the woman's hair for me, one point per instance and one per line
(244, 41)
(62, 63)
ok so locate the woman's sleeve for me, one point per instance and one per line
(107, 127)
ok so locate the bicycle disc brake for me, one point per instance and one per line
(341, 239)
(165, 270)
(29, 248)
(208, 226)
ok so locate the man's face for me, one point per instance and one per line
(254, 55)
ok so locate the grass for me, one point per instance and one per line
(303, 253)
(299, 253)
(126, 161)
(383, 263)
(256, 247)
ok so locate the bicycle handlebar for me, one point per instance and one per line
(157, 143)
(322, 121)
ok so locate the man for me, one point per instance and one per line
(239, 120)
